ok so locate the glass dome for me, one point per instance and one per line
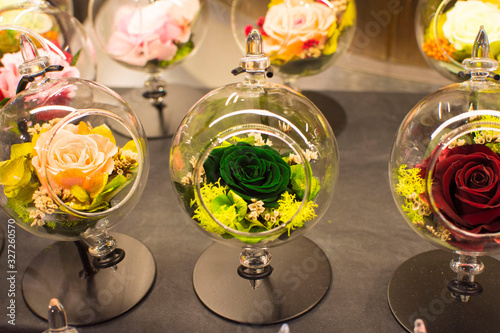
(301, 37)
(254, 163)
(444, 163)
(64, 174)
(64, 39)
(446, 31)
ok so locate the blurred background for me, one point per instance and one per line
(384, 45)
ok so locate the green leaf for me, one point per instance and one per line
(331, 45)
(349, 15)
(240, 204)
(22, 194)
(3, 102)
(11, 191)
(182, 51)
(21, 149)
(130, 146)
(298, 182)
(250, 140)
(220, 204)
(75, 58)
(13, 171)
(79, 193)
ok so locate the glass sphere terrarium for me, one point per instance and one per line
(445, 171)
(150, 36)
(66, 176)
(67, 41)
(254, 165)
(301, 37)
(446, 30)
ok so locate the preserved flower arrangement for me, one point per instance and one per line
(159, 32)
(250, 186)
(446, 30)
(60, 37)
(254, 165)
(65, 176)
(301, 37)
(62, 170)
(81, 165)
(150, 36)
(464, 186)
(445, 173)
(252, 162)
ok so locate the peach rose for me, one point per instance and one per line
(295, 25)
(74, 159)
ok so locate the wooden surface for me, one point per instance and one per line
(386, 31)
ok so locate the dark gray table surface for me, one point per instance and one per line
(362, 233)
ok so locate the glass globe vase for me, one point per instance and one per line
(66, 176)
(301, 37)
(66, 38)
(444, 176)
(446, 30)
(152, 37)
(254, 165)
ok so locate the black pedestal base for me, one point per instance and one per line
(300, 279)
(55, 273)
(419, 290)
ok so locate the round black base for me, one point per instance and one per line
(300, 279)
(419, 290)
(54, 273)
(157, 125)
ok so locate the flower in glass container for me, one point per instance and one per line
(249, 171)
(84, 168)
(159, 31)
(294, 30)
(76, 157)
(465, 187)
(251, 187)
(457, 29)
(464, 19)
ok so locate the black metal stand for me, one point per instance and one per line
(299, 280)
(90, 295)
(419, 289)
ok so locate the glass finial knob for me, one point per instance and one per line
(33, 62)
(480, 65)
(57, 318)
(28, 49)
(481, 47)
(254, 43)
(255, 61)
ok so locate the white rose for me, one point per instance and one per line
(466, 17)
(294, 25)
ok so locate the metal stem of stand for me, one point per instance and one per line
(88, 269)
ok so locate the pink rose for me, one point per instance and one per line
(74, 158)
(152, 32)
(10, 77)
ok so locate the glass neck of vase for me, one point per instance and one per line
(255, 79)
